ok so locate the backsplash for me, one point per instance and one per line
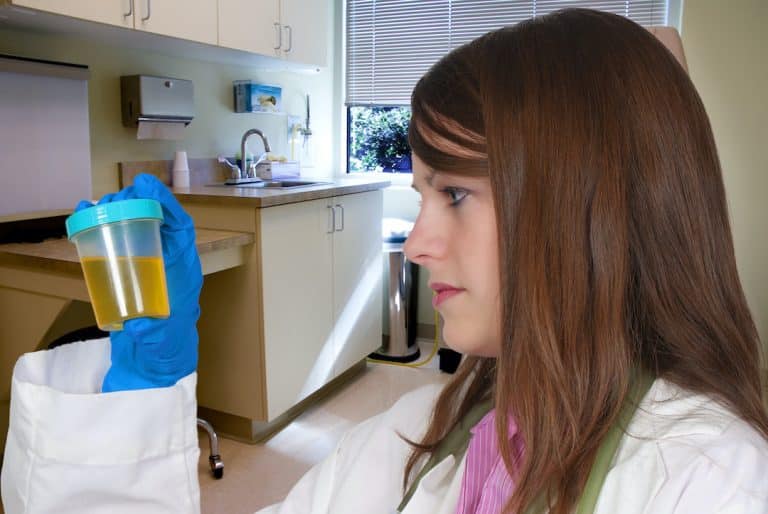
(201, 171)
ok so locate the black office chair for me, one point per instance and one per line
(94, 332)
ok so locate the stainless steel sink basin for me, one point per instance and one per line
(290, 183)
(281, 184)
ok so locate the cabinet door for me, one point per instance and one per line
(250, 25)
(296, 246)
(113, 12)
(357, 267)
(305, 30)
(194, 21)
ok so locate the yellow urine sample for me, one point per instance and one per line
(128, 287)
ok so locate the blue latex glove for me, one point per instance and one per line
(152, 352)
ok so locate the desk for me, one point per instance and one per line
(43, 294)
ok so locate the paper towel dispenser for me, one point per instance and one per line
(147, 98)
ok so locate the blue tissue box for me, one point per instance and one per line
(253, 97)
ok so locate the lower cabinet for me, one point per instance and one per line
(357, 278)
(321, 284)
(304, 308)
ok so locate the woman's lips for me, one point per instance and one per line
(443, 292)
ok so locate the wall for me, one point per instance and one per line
(725, 45)
(216, 128)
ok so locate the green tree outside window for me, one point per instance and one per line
(379, 139)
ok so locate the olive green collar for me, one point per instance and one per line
(457, 440)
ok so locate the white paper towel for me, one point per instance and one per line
(160, 130)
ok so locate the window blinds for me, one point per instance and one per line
(392, 43)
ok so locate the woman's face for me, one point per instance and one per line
(455, 239)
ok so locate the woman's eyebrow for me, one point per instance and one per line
(428, 179)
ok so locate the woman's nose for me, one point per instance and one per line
(410, 245)
(419, 247)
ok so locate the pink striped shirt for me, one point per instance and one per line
(486, 486)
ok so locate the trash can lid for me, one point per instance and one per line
(395, 230)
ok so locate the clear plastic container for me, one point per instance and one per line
(122, 258)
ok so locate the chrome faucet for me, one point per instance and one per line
(243, 176)
(233, 167)
(251, 171)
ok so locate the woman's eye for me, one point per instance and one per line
(455, 194)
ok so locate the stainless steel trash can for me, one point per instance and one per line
(402, 293)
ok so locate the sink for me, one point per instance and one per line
(291, 183)
(281, 184)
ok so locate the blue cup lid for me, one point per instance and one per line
(111, 212)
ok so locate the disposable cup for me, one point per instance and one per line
(120, 250)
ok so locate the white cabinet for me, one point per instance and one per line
(292, 30)
(250, 25)
(112, 12)
(297, 284)
(357, 277)
(304, 30)
(295, 30)
(321, 282)
(194, 21)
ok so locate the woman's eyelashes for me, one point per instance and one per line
(455, 194)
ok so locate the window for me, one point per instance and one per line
(378, 138)
(392, 43)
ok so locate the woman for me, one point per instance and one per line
(574, 225)
(581, 156)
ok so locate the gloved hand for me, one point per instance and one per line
(152, 352)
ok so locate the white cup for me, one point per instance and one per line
(180, 170)
(180, 162)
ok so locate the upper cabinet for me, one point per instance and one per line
(304, 30)
(112, 12)
(294, 30)
(194, 21)
(250, 25)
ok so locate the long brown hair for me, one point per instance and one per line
(614, 241)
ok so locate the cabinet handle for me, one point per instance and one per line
(290, 38)
(278, 37)
(333, 220)
(130, 9)
(342, 218)
(149, 11)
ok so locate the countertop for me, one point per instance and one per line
(220, 194)
(61, 254)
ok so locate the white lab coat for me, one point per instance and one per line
(71, 449)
